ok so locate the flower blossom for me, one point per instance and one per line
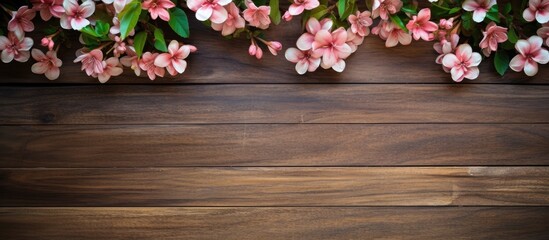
(257, 16)
(537, 10)
(75, 15)
(174, 59)
(118, 4)
(384, 8)
(255, 50)
(305, 41)
(543, 32)
(21, 21)
(421, 27)
(48, 8)
(147, 64)
(445, 47)
(111, 68)
(332, 47)
(478, 7)
(353, 40)
(274, 47)
(298, 6)
(209, 9)
(360, 23)
(47, 64)
(14, 48)
(444, 26)
(92, 62)
(463, 63)
(131, 60)
(47, 42)
(304, 60)
(233, 22)
(392, 34)
(530, 54)
(492, 36)
(158, 8)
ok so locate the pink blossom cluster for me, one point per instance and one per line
(324, 47)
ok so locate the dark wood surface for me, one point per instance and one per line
(240, 149)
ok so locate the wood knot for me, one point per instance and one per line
(47, 117)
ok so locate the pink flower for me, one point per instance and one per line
(393, 34)
(384, 8)
(305, 41)
(174, 59)
(257, 16)
(360, 23)
(47, 64)
(537, 10)
(111, 69)
(304, 60)
(147, 64)
(274, 47)
(255, 50)
(118, 4)
(332, 47)
(287, 16)
(48, 8)
(354, 40)
(421, 27)
(92, 62)
(209, 9)
(47, 42)
(298, 6)
(543, 32)
(446, 24)
(75, 15)
(492, 36)
(21, 21)
(234, 21)
(14, 48)
(478, 7)
(462, 64)
(131, 60)
(158, 8)
(445, 47)
(530, 54)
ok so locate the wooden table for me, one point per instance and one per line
(242, 149)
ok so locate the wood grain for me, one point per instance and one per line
(267, 186)
(273, 145)
(309, 103)
(275, 223)
(224, 61)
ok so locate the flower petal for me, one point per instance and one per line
(530, 68)
(163, 60)
(204, 13)
(219, 15)
(52, 73)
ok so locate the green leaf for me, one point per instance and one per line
(493, 14)
(407, 9)
(438, 10)
(128, 17)
(101, 28)
(501, 62)
(396, 20)
(467, 20)
(159, 42)
(319, 12)
(454, 10)
(350, 8)
(89, 30)
(512, 35)
(341, 4)
(275, 11)
(139, 42)
(179, 22)
(507, 8)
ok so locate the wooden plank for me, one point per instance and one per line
(222, 61)
(267, 186)
(275, 223)
(273, 145)
(278, 103)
